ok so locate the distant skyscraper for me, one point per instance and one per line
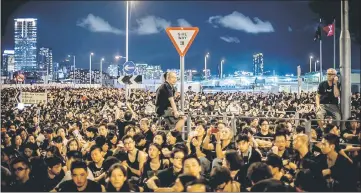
(140, 69)
(258, 64)
(25, 35)
(8, 63)
(56, 71)
(45, 59)
(113, 70)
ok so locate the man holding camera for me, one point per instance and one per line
(327, 97)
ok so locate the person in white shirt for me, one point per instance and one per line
(73, 156)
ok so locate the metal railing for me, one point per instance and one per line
(231, 120)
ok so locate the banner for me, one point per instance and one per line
(33, 97)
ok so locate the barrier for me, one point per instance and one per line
(56, 85)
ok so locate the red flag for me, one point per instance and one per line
(330, 29)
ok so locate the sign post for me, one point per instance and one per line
(182, 38)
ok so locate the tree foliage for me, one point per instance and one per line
(329, 10)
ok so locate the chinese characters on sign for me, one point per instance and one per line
(33, 98)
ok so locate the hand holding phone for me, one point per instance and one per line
(335, 80)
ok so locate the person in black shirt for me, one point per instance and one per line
(54, 174)
(165, 101)
(249, 155)
(140, 142)
(79, 182)
(128, 120)
(167, 177)
(145, 127)
(280, 145)
(96, 165)
(338, 167)
(23, 182)
(258, 171)
(352, 131)
(302, 154)
(327, 97)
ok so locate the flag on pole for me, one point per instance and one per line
(330, 29)
(318, 33)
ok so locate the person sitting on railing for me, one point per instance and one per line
(327, 96)
(165, 101)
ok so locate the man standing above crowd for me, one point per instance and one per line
(165, 100)
(327, 97)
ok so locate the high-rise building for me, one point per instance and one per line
(112, 70)
(258, 64)
(140, 69)
(66, 66)
(45, 59)
(56, 71)
(8, 63)
(25, 35)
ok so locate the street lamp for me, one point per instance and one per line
(311, 63)
(90, 67)
(119, 57)
(205, 65)
(317, 61)
(127, 32)
(222, 69)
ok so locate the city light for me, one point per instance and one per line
(119, 57)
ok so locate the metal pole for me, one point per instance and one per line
(315, 66)
(222, 69)
(47, 73)
(74, 70)
(205, 67)
(320, 55)
(101, 72)
(127, 33)
(182, 82)
(334, 44)
(310, 64)
(90, 69)
(345, 64)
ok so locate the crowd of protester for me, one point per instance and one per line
(101, 140)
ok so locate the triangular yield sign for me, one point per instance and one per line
(182, 37)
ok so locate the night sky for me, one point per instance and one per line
(282, 31)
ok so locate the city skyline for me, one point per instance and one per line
(285, 40)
